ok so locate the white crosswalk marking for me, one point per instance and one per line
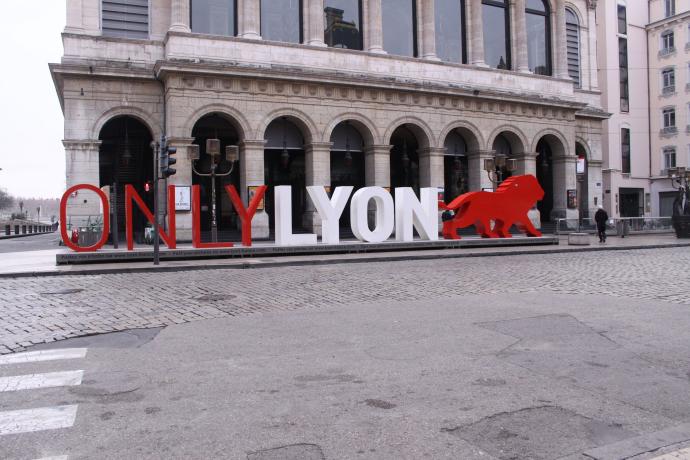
(43, 418)
(47, 380)
(43, 355)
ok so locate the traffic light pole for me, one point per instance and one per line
(156, 238)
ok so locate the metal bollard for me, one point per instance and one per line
(7, 230)
(16, 229)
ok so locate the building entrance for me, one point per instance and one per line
(545, 178)
(404, 162)
(631, 202)
(347, 166)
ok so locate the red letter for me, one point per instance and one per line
(63, 218)
(196, 223)
(131, 194)
(246, 215)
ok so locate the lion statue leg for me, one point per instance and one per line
(483, 227)
(450, 230)
(503, 229)
(526, 227)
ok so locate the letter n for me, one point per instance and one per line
(168, 238)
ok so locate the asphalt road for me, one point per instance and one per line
(556, 364)
(30, 243)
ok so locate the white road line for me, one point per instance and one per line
(43, 418)
(43, 355)
(683, 454)
(47, 380)
(59, 457)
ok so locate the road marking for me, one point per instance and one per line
(59, 457)
(43, 418)
(47, 380)
(683, 454)
(43, 355)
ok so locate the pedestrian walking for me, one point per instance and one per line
(600, 217)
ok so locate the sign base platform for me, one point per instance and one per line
(269, 249)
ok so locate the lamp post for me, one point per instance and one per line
(680, 180)
(494, 167)
(213, 150)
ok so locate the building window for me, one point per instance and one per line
(669, 115)
(496, 28)
(622, 20)
(281, 20)
(669, 157)
(399, 19)
(343, 22)
(216, 17)
(625, 150)
(125, 18)
(668, 81)
(449, 17)
(669, 7)
(623, 71)
(538, 33)
(572, 35)
(667, 42)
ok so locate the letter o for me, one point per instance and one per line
(63, 218)
(359, 214)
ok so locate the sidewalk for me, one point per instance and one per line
(42, 263)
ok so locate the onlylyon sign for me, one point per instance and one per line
(492, 213)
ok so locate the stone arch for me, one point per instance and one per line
(580, 18)
(560, 148)
(585, 145)
(303, 121)
(419, 128)
(471, 134)
(365, 127)
(232, 115)
(144, 117)
(518, 140)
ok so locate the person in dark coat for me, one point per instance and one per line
(600, 217)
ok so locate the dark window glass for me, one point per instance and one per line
(538, 33)
(125, 18)
(668, 77)
(668, 40)
(343, 24)
(496, 34)
(623, 70)
(622, 20)
(281, 20)
(669, 118)
(215, 17)
(572, 35)
(669, 158)
(399, 27)
(670, 7)
(625, 150)
(450, 30)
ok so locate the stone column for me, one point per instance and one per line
(250, 23)
(526, 163)
(560, 53)
(74, 23)
(564, 179)
(179, 16)
(591, 45)
(82, 167)
(427, 22)
(476, 33)
(478, 178)
(431, 167)
(314, 22)
(520, 28)
(317, 163)
(374, 30)
(377, 165)
(251, 175)
(183, 177)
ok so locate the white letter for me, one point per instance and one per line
(410, 212)
(329, 210)
(283, 216)
(384, 214)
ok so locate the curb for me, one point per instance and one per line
(416, 255)
(22, 235)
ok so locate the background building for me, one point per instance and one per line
(669, 110)
(334, 92)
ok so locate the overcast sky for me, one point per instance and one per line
(31, 125)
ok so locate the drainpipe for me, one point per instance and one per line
(649, 104)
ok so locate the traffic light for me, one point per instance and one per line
(167, 160)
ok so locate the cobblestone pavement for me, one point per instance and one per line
(45, 309)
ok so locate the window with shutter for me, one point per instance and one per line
(572, 33)
(125, 18)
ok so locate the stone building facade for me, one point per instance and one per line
(304, 113)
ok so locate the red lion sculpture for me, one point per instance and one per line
(508, 205)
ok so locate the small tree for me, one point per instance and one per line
(6, 200)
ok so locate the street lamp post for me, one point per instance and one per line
(213, 150)
(494, 167)
(680, 180)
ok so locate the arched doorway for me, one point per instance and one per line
(582, 170)
(545, 178)
(455, 167)
(125, 157)
(284, 164)
(404, 160)
(347, 163)
(216, 126)
(502, 147)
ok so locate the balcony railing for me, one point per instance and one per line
(616, 226)
(666, 90)
(669, 131)
(667, 51)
